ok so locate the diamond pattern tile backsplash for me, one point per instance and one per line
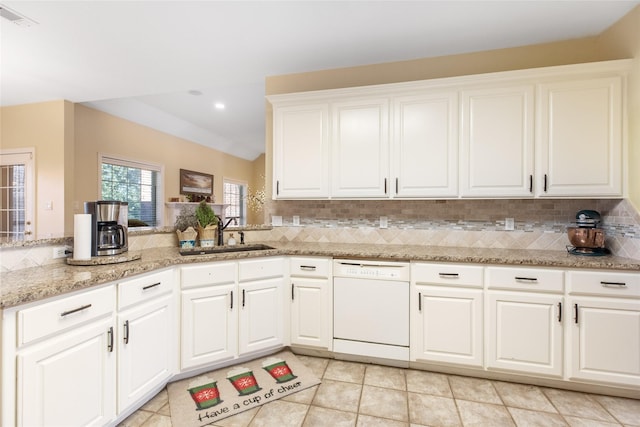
(539, 225)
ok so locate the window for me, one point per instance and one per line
(16, 194)
(137, 183)
(234, 198)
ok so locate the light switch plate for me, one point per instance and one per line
(276, 221)
(384, 222)
(296, 220)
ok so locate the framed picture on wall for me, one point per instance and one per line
(197, 183)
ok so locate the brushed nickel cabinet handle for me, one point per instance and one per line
(126, 332)
(110, 337)
(75, 310)
(144, 288)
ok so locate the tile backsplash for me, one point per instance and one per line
(538, 225)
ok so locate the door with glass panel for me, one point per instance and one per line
(17, 195)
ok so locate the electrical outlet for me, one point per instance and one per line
(384, 222)
(296, 220)
(61, 251)
(509, 224)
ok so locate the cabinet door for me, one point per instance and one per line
(424, 149)
(301, 152)
(448, 326)
(497, 142)
(524, 332)
(70, 380)
(146, 349)
(605, 340)
(580, 138)
(311, 319)
(360, 148)
(261, 319)
(209, 325)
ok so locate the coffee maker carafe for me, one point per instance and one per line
(108, 227)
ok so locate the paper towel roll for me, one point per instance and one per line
(82, 236)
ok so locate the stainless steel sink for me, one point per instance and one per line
(224, 249)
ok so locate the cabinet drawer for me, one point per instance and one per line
(604, 283)
(310, 267)
(56, 316)
(447, 274)
(260, 268)
(209, 274)
(525, 279)
(144, 288)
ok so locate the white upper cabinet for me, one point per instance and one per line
(542, 132)
(580, 138)
(301, 148)
(424, 148)
(497, 142)
(360, 146)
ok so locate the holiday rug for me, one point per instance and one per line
(219, 394)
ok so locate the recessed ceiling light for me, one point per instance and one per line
(219, 106)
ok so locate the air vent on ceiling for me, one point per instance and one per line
(15, 17)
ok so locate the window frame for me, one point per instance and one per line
(139, 164)
(243, 199)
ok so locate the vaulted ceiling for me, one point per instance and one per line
(165, 64)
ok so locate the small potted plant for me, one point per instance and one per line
(207, 224)
(186, 224)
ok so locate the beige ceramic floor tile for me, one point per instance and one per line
(338, 395)
(384, 403)
(157, 420)
(280, 413)
(584, 422)
(474, 389)
(165, 410)
(523, 396)
(384, 376)
(321, 417)
(340, 370)
(317, 364)
(304, 396)
(527, 418)
(433, 410)
(576, 404)
(428, 382)
(136, 419)
(157, 402)
(477, 414)
(626, 411)
(367, 421)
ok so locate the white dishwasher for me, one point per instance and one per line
(371, 308)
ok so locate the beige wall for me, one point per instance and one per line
(68, 137)
(96, 132)
(623, 40)
(45, 126)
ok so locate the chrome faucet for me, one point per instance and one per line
(221, 229)
(241, 233)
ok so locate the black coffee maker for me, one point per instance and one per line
(108, 227)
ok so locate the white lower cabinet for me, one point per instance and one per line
(70, 380)
(66, 369)
(261, 305)
(209, 326)
(525, 332)
(604, 333)
(525, 321)
(146, 336)
(447, 314)
(311, 302)
(231, 308)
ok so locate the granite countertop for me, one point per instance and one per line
(32, 284)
